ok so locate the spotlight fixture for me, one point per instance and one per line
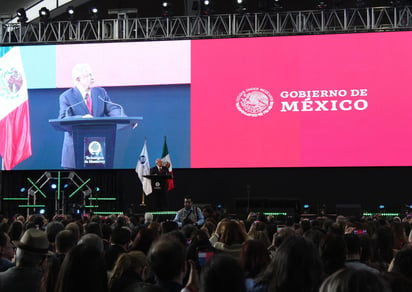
(70, 12)
(206, 7)
(241, 6)
(44, 14)
(53, 186)
(94, 13)
(22, 189)
(322, 5)
(167, 10)
(21, 15)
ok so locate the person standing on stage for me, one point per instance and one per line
(159, 185)
(83, 100)
(189, 214)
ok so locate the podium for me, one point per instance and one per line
(158, 181)
(93, 138)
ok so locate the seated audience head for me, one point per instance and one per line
(15, 230)
(93, 227)
(65, 240)
(354, 280)
(83, 270)
(52, 229)
(92, 240)
(296, 266)
(129, 265)
(254, 258)
(222, 273)
(232, 233)
(6, 247)
(402, 262)
(168, 260)
(143, 240)
(168, 226)
(32, 248)
(74, 227)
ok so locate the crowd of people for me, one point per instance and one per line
(206, 251)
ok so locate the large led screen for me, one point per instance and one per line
(291, 101)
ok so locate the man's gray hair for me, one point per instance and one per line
(78, 69)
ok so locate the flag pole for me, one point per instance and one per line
(142, 203)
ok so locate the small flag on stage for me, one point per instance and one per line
(15, 135)
(143, 168)
(166, 160)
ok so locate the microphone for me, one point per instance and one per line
(66, 113)
(113, 103)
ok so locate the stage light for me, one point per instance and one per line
(53, 186)
(22, 189)
(70, 12)
(381, 207)
(42, 211)
(241, 6)
(306, 206)
(206, 7)
(44, 14)
(322, 5)
(94, 13)
(21, 15)
(167, 9)
(65, 186)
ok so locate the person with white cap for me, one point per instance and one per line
(32, 249)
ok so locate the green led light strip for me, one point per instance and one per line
(15, 199)
(381, 214)
(32, 206)
(108, 213)
(102, 199)
(164, 213)
(92, 206)
(274, 213)
(36, 187)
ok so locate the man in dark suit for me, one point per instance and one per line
(159, 186)
(86, 101)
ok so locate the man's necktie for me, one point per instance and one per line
(89, 103)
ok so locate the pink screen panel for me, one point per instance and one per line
(302, 101)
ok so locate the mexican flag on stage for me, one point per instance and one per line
(15, 135)
(166, 158)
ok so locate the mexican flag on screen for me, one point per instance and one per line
(15, 136)
(166, 158)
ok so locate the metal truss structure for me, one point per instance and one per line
(347, 20)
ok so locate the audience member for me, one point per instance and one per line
(354, 280)
(16, 230)
(119, 243)
(254, 258)
(296, 267)
(232, 239)
(168, 262)
(32, 249)
(222, 273)
(83, 270)
(6, 252)
(129, 271)
(189, 214)
(52, 229)
(353, 249)
(143, 240)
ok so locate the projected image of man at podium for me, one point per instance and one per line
(159, 185)
(83, 100)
